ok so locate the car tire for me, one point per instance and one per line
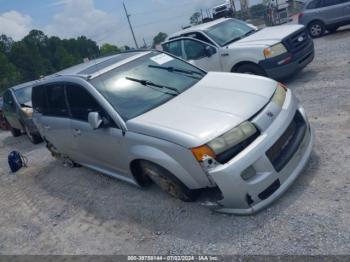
(34, 138)
(316, 29)
(15, 132)
(168, 182)
(251, 69)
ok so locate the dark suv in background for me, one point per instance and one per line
(18, 111)
(321, 15)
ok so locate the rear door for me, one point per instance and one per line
(332, 11)
(346, 10)
(101, 148)
(53, 116)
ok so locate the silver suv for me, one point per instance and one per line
(322, 15)
(147, 116)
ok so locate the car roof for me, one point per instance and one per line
(200, 27)
(23, 85)
(95, 65)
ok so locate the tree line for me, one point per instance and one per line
(38, 55)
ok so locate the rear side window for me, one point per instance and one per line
(81, 103)
(314, 4)
(174, 48)
(39, 99)
(56, 100)
(326, 3)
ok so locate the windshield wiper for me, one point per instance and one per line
(250, 32)
(151, 84)
(178, 70)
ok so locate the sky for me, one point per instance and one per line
(104, 21)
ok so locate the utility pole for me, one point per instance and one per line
(132, 31)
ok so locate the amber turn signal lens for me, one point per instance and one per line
(283, 86)
(200, 152)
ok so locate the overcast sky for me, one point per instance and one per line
(101, 20)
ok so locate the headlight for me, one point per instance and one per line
(280, 95)
(228, 140)
(27, 111)
(275, 50)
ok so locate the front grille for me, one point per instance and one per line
(287, 145)
(293, 42)
(270, 190)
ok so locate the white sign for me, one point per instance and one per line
(162, 59)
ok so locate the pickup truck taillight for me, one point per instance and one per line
(300, 15)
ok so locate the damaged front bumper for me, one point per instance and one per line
(275, 168)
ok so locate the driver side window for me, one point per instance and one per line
(81, 103)
(194, 50)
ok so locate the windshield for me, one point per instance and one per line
(24, 95)
(229, 31)
(132, 98)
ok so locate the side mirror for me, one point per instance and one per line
(95, 120)
(209, 51)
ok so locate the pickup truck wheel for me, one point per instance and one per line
(316, 29)
(251, 69)
(167, 182)
(15, 132)
(34, 138)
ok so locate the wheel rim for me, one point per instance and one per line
(316, 30)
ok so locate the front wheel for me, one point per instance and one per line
(168, 182)
(316, 29)
(251, 69)
(15, 132)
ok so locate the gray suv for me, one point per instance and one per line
(18, 111)
(148, 116)
(322, 15)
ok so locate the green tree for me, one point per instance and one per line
(195, 19)
(9, 75)
(159, 38)
(108, 49)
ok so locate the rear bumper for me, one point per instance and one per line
(246, 197)
(287, 64)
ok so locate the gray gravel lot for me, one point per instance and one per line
(50, 209)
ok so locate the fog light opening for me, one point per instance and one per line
(248, 174)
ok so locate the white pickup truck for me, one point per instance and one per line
(231, 45)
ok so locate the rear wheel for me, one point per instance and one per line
(168, 182)
(316, 29)
(251, 69)
(34, 138)
(15, 132)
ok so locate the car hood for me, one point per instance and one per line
(216, 104)
(268, 36)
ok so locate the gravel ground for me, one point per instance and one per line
(50, 209)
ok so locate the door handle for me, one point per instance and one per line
(77, 132)
(47, 127)
(225, 54)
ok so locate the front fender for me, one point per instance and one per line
(161, 158)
